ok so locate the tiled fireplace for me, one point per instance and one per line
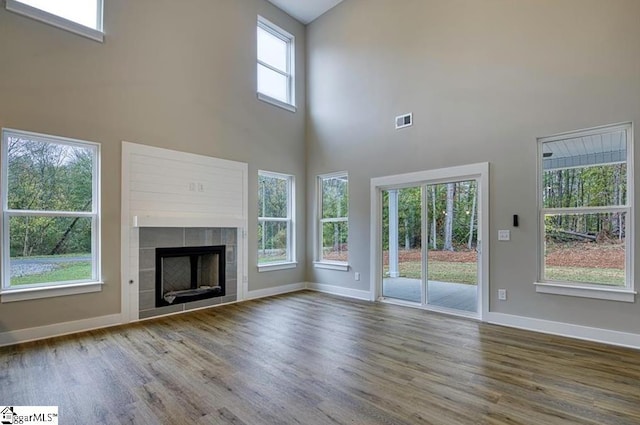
(203, 276)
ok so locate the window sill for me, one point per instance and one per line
(280, 104)
(343, 267)
(11, 295)
(54, 20)
(603, 293)
(276, 266)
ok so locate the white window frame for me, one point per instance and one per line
(50, 289)
(580, 289)
(290, 262)
(290, 104)
(95, 33)
(320, 262)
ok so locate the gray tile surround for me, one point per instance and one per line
(147, 258)
(151, 238)
(203, 236)
(147, 298)
(161, 237)
(147, 280)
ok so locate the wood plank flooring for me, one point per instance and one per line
(308, 358)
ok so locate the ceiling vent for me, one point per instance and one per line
(403, 121)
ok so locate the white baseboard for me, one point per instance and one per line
(606, 336)
(59, 329)
(339, 290)
(276, 290)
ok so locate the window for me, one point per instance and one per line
(586, 213)
(276, 234)
(333, 221)
(50, 198)
(83, 17)
(275, 65)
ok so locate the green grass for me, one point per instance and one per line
(467, 273)
(271, 258)
(64, 272)
(614, 277)
(453, 272)
(440, 270)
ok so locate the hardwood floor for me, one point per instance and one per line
(309, 358)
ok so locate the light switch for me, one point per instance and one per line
(504, 235)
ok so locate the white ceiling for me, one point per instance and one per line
(305, 10)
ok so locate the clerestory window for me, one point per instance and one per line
(275, 65)
(83, 17)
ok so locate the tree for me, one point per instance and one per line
(472, 220)
(49, 177)
(335, 205)
(410, 214)
(272, 204)
(448, 226)
(591, 185)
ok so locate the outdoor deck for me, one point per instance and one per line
(457, 296)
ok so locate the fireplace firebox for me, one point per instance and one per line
(185, 274)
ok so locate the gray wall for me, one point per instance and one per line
(173, 74)
(483, 80)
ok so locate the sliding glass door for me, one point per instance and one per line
(430, 245)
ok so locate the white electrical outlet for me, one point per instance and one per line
(356, 275)
(502, 294)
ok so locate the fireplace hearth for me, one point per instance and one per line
(186, 274)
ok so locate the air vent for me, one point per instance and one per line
(403, 121)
